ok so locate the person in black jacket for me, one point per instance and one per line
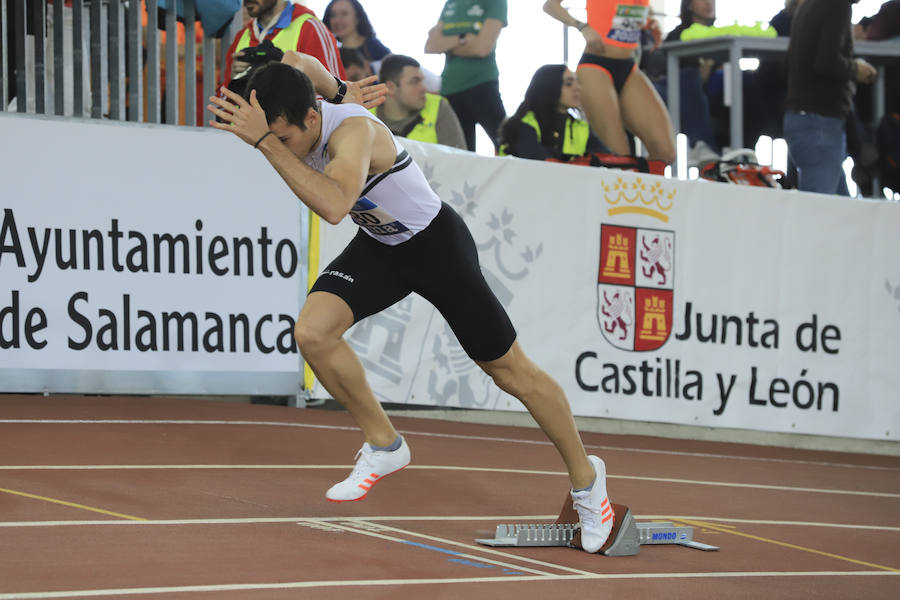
(544, 125)
(821, 73)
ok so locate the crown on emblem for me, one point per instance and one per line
(636, 198)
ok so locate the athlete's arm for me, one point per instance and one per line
(359, 92)
(332, 193)
(482, 44)
(555, 9)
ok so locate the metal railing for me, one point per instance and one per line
(105, 59)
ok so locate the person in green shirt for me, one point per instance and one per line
(467, 34)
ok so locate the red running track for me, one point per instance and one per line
(107, 497)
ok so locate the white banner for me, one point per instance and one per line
(170, 256)
(661, 300)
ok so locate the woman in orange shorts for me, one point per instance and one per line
(616, 94)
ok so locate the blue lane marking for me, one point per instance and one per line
(435, 548)
(462, 561)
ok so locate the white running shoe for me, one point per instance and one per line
(371, 467)
(594, 510)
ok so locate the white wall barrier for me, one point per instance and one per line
(145, 259)
(654, 299)
(648, 299)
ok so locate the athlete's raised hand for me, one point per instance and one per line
(366, 92)
(247, 120)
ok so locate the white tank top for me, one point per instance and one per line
(394, 205)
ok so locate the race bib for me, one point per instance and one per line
(375, 219)
(627, 23)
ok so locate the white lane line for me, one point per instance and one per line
(473, 557)
(511, 519)
(757, 486)
(481, 549)
(444, 435)
(404, 582)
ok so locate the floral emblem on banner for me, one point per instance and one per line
(635, 286)
(453, 379)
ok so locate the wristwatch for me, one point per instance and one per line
(341, 92)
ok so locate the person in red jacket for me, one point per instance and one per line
(289, 27)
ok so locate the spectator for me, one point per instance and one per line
(409, 111)
(467, 33)
(771, 76)
(543, 126)
(821, 71)
(350, 24)
(289, 27)
(885, 25)
(618, 96)
(355, 64)
(695, 120)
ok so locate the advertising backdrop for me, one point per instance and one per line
(145, 258)
(654, 299)
(154, 259)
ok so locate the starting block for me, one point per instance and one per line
(626, 538)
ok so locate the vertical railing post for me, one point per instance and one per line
(116, 62)
(4, 56)
(96, 62)
(153, 71)
(190, 64)
(59, 59)
(78, 57)
(209, 74)
(20, 30)
(171, 63)
(134, 54)
(39, 23)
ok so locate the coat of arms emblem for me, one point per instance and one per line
(635, 286)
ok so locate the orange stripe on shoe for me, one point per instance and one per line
(364, 487)
(606, 518)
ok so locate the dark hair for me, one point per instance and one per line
(352, 56)
(282, 91)
(541, 98)
(363, 25)
(687, 15)
(392, 66)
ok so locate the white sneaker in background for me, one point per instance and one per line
(594, 510)
(701, 154)
(371, 467)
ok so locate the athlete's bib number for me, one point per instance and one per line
(627, 23)
(375, 219)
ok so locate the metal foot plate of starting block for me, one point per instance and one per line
(630, 536)
(626, 538)
(531, 535)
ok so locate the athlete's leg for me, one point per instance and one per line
(645, 114)
(322, 322)
(601, 106)
(518, 376)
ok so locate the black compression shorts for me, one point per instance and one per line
(618, 69)
(440, 263)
